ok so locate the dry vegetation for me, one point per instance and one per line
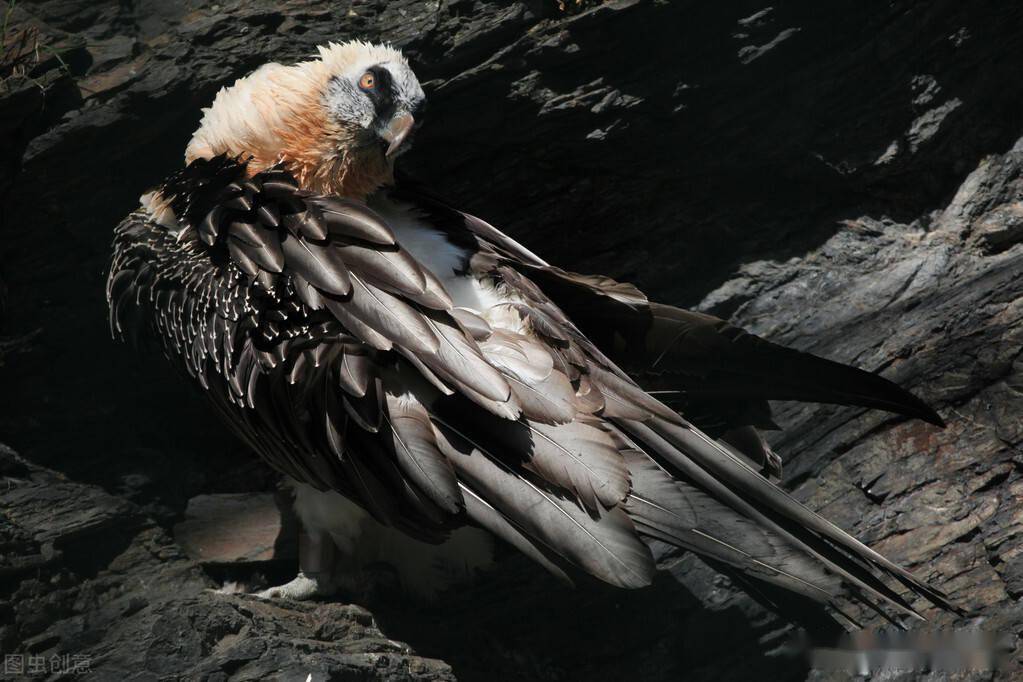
(22, 50)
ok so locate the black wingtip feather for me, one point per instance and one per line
(760, 368)
(847, 385)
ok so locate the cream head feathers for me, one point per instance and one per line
(336, 122)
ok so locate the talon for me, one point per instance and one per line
(301, 588)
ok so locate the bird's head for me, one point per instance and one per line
(336, 122)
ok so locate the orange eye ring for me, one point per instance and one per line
(368, 81)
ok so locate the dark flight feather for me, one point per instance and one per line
(606, 546)
(679, 513)
(581, 458)
(418, 456)
(459, 358)
(355, 221)
(395, 271)
(355, 370)
(320, 265)
(727, 467)
(487, 517)
(389, 316)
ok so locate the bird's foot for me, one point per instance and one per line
(301, 588)
(316, 558)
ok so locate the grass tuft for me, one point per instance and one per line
(21, 50)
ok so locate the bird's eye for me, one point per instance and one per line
(368, 81)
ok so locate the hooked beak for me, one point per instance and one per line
(397, 131)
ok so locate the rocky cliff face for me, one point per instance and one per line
(840, 177)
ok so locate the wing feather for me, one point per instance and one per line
(458, 357)
(489, 518)
(582, 458)
(387, 315)
(605, 545)
(319, 264)
(418, 456)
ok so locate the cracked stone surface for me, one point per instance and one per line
(87, 572)
(846, 180)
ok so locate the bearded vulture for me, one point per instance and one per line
(404, 361)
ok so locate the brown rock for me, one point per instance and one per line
(238, 528)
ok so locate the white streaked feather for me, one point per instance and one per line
(159, 209)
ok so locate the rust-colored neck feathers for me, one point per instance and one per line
(327, 158)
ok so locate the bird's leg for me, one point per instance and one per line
(316, 556)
